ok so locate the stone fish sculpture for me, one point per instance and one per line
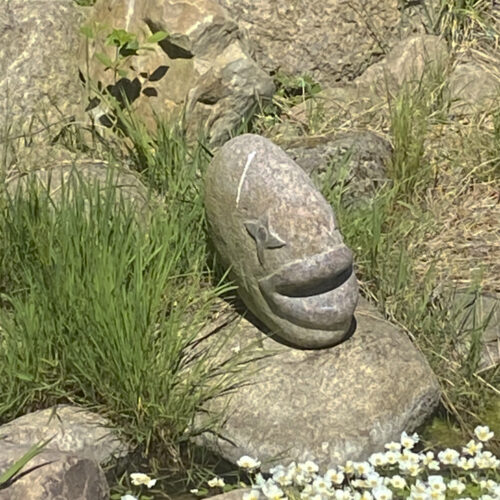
(279, 236)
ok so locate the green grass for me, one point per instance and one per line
(100, 309)
(459, 21)
(388, 237)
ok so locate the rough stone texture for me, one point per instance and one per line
(363, 100)
(203, 65)
(38, 68)
(474, 88)
(52, 475)
(330, 39)
(90, 172)
(74, 429)
(357, 160)
(327, 405)
(279, 235)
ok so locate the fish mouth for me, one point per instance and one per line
(319, 292)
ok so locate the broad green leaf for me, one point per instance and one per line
(157, 37)
(104, 59)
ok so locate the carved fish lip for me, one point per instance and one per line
(317, 292)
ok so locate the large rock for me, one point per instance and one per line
(52, 475)
(203, 66)
(279, 237)
(354, 160)
(364, 101)
(474, 88)
(39, 84)
(331, 40)
(326, 405)
(72, 429)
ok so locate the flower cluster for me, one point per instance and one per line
(397, 473)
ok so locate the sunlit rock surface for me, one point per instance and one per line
(328, 405)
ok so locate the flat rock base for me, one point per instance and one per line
(328, 405)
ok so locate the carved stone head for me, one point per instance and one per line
(279, 236)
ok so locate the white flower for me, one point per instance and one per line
(466, 463)
(378, 459)
(271, 490)
(321, 485)
(472, 447)
(259, 480)
(307, 492)
(359, 483)
(393, 446)
(429, 462)
(436, 484)
(381, 492)
(251, 495)
(412, 469)
(488, 484)
(419, 491)
(309, 466)
(456, 486)
(409, 456)
(366, 496)
(397, 482)
(249, 463)
(486, 460)
(282, 477)
(373, 479)
(138, 478)
(362, 468)
(128, 497)
(348, 468)
(194, 491)
(392, 457)
(409, 441)
(483, 433)
(449, 456)
(335, 477)
(343, 495)
(216, 482)
(419, 486)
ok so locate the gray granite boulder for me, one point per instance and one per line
(203, 68)
(327, 405)
(279, 236)
(74, 430)
(331, 40)
(474, 87)
(356, 160)
(363, 102)
(52, 475)
(40, 88)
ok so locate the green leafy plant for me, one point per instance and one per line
(126, 45)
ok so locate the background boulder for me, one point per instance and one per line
(202, 67)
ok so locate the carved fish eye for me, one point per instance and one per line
(263, 236)
(262, 233)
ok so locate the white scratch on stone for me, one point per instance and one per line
(130, 11)
(250, 157)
